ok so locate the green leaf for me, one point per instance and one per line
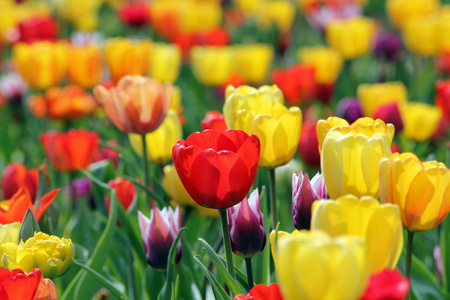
(423, 283)
(103, 280)
(42, 187)
(234, 286)
(218, 290)
(29, 226)
(175, 287)
(445, 253)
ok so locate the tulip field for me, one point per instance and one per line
(224, 149)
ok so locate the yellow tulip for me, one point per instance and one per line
(126, 57)
(402, 11)
(84, 14)
(41, 64)
(160, 141)
(326, 61)
(421, 35)
(177, 192)
(165, 60)
(199, 16)
(313, 265)
(85, 68)
(9, 233)
(420, 120)
(280, 12)
(351, 37)
(379, 225)
(349, 161)
(212, 65)
(252, 62)
(247, 7)
(373, 96)
(420, 189)
(281, 235)
(52, 255)
(444, 28)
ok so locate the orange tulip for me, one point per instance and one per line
(15, 176)
(71, 150)
(125, 192)
(14, 209)
(85, 68)
(46, 290)
(137, 105)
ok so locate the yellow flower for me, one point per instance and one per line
(402, 11)
(326, 61)
(351, 37)
(280, 12)
(9, 233)
(420, 120)
(199, 16)
(126, 57)
(281, 235)
(313, 265)
(41, 64)
(421, 35)
(177, 192)
(212, 65)
(85, 68)
(379, 225)
(420, 189)
(83, 14)
(160, 141)
(373, 96)
(165, 60)
(444, 28)
(253, 61)
(52, 255)
(349, 161)
(247, 6)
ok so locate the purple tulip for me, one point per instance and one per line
(245, 222)
(158, 235)
(388, 46)
(349, 109)
(304, 193)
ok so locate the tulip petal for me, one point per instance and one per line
(45, 202)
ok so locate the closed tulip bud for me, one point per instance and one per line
(158, 234)
(84, 68)
(253, 61)
(214, 120)
(349, 109)
(326, 61)
(165, 60)
(46, 290)
(212, 65)
(372, 96)
(304, 193)
(280, 12)
(245, 222)
(15, 176)
(390, 113)
(420, 120)
(402, 11)
(160, 141)
(52, 255)
(125, 192)
(308, 147)
(388, 46)
(310, 259)
(297, 83)
(420, 189)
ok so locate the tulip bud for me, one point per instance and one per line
(125, 192)
(245, 222)
(308, 148)
(214, 120)
(158, 235)
(304, 193)
(349, 109)
(390, 113)
(17, 175)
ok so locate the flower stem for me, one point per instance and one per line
(273, 198)
(226, 241)
(409, 248)
(145, 166)
(248, 265)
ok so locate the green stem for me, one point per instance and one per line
(409, 248)
(273, 198)
(226, 241)
(145, 166)
(248, 265)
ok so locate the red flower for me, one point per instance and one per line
(308, 148)
(386, 285)
(16, 284)
(262, 292)
(125, 192)
(214, 37)
(135, 14)
(214, 120)
(70, 150)
(443, 98)
(235, 80)
(15, 176)
(297, 83)
(37, 29)
(390, 113)
(217, 168)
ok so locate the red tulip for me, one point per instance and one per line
(308, 148)
(217, 168)
(443, 98)
(70, 150)
(37, 29)
(214, 37)
(388, 284)
(297, 83)
(262, 292)
(135, 14)
(390, 113)
(214, 120)
(125, 192)
(15, 176)
(16, 284)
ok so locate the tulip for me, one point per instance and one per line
(134, 14)
(261, 291)
(443, 98)
(281, 234)
(351, 37)
(70, 150)
(390, 113)
(137, 105)
(388, 284)
(379, 225)
(13, 87)
(83, 15)
(372, 96)
(41, 64)
(313, 265)
(14, 209)
(327, 62)
(8, 233)
(323, 126)
(214, 37)
(37, 29)
(126, 57)
(421, 36)
(420, 120)
(214, 120)
(165, 62)
(349, 109)
(198, 16)
(160, 141)
(297, 83)
(158, 235)
(280, 12)
(17, 284)
(252, 62)
(84, 68)
(308, 147)
(125, 192)
(388, 46)
(304, 194)
(212, 65)
(402, 11)
(79, 188)
(15, 176)
(228, 166)
(245, 222)
(420, 189)
(46, 290)
(52, 255)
